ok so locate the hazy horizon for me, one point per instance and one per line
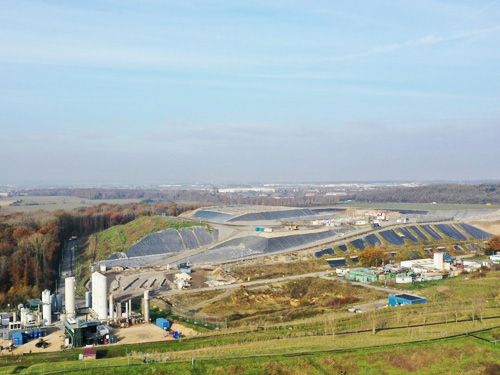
(147, 92)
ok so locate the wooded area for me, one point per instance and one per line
(31, 243)
(440, 193)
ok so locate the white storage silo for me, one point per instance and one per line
(439, 261)
(119, 313)
(24, 315)
(145, 307)
(30, 318)
(69, 291)
(111, 307)
(46, 307)
(100, 295)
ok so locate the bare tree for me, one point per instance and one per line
(374, 319)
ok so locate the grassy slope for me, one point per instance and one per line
(121, 237)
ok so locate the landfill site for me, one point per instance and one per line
(243, 232)
(161, 263)
(200, 258)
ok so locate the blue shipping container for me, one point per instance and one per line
(185, 270)
(17, 338)
(163, 323)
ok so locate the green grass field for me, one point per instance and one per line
(302, 355)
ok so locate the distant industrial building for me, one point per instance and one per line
(361, 274)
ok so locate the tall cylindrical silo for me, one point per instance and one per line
(46, 307)
(146, 306)
(100, 295)
(69, 291)
(24, 314)
(111, 307)
(119, 310)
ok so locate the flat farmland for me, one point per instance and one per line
(52, 203)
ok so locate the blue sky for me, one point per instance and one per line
(235, 91)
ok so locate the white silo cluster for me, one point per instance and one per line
(46, 307)
(100, 295)
(69, 290)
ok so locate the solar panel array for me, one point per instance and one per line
(343, 248)
(171, 241)
(450, 231)
(419, 233)
(432, 232)
(324, 252)
(372, 240)
(405, 232)
(392, 237)
(358, 244)
(338, 262)
(475, 232)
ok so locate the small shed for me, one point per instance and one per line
(89, 354)
(17, 338)
(405, 299)
(402, 279)
(163, 323)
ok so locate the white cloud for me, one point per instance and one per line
(427, 40)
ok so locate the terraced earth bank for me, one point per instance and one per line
(255, 245)
(173, 241)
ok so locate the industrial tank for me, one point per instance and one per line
(46, 307)
(69, 290)
(100, 295)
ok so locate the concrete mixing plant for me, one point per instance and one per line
(100, 295)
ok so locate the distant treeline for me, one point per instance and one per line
(440, 193)
(31, 244)
(201, 197)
